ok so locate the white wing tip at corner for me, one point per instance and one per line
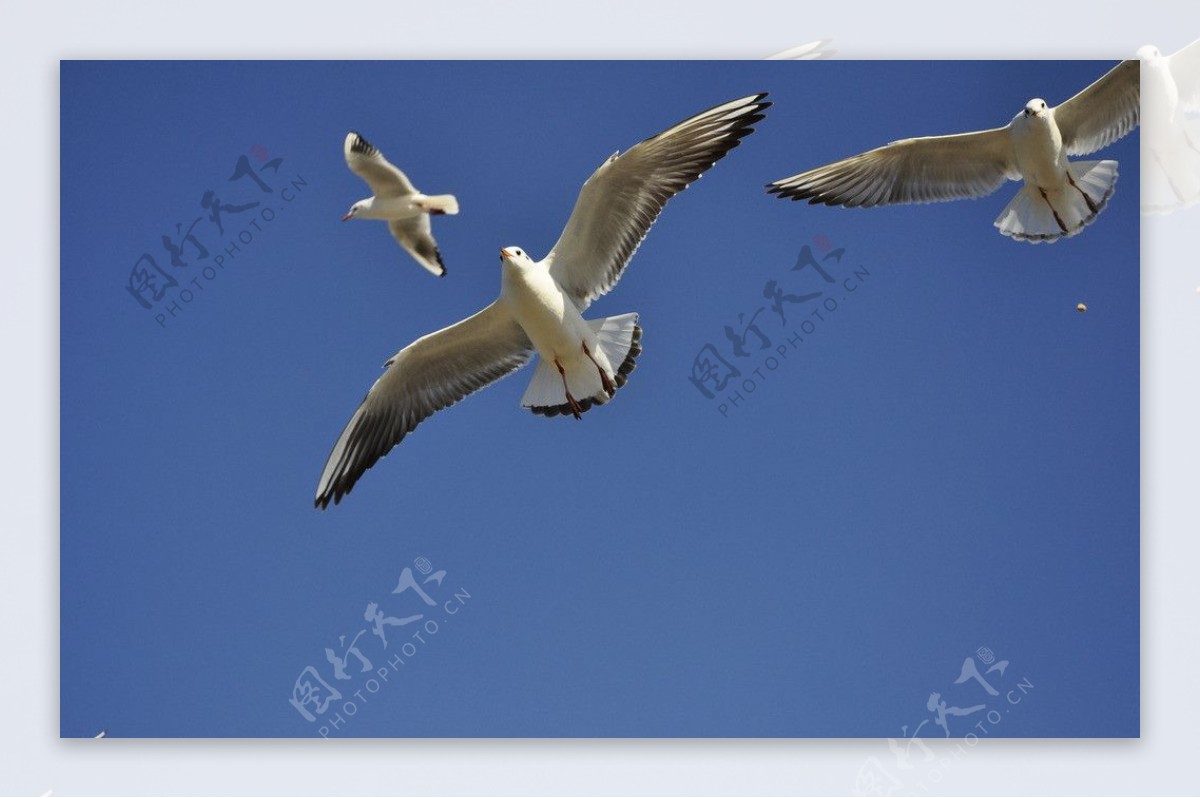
(813, 51)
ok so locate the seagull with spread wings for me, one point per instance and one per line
(540, 308)
(1170, 130)
(1059, 198)
(397, 201)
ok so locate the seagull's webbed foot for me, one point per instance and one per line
(605, 381)
(576, 408)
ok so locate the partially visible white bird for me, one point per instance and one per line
(813, 51)
(1170, 139)
(541, 303)
(397, 200)
(1059, 198)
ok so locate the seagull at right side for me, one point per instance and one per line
(1170, 138)
(1059, 198)
(397, 201)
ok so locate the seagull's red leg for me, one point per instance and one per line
(1057, 218)
(1090, 203)
(609, 388)
(575, 408)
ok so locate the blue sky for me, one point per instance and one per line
(948, 460)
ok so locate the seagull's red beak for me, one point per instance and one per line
(503, 252)
(346, 218)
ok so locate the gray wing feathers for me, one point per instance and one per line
(1102, 113)
(430, 374)
(622, 199)
(368, 163)
(415, 234)
(930, 169)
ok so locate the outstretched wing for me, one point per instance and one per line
(415, 234)
(368, 163)
(622, 199)
(929, 169)
(431, 373)
(1103, 112)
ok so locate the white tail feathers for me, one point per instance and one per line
(439, 204)
(1036, 215)
(617, 343)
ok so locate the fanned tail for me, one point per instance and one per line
(618, 341)
(439, 204)
(1036, 215)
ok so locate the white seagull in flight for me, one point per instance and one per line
(1170, 137)
(1059, 198)
(540, 307)
(397, 200)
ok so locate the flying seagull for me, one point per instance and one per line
(397, 200)
(1059, 197)
(540, 307)
(1170, 139)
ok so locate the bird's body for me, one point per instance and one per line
(1037, 149)
(1060, 197)
(1170, 138)
(391, 208)
(554, 325)
(583, 362)
(397, 201)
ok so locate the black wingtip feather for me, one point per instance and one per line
(360, 144)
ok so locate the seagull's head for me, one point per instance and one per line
(355, 210)
(1148, 53)
(1035, 107)
(516, 256)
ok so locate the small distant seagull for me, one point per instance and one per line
(397, 200)
(1059, 198)
(1170, 140)
(1082, 308)
(813, 51)
(540, 307)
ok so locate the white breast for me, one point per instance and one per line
(547, 315)
(1037, 145)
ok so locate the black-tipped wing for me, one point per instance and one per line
(930, 169)
(621, 200)
(415, 234)
(368, 163)
(1103, 112)
(431, 373)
